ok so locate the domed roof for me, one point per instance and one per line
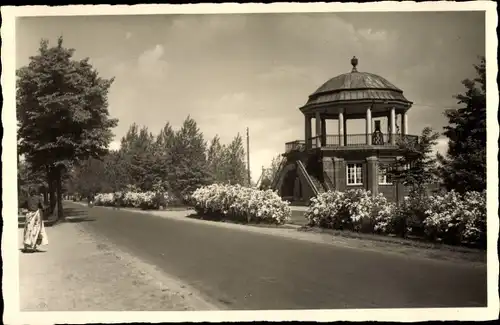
(356, 86)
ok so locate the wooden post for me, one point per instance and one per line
(248, 158)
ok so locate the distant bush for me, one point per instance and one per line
(238, 203)
(143, 200)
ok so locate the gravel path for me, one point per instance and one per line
(78, 271)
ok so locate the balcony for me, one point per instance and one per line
(349, 140)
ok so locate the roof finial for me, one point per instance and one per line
(354, 62)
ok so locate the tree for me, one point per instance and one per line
(138, 151)
(165, 138)
(116, 172)
(188, 160)
(88, 177)
(62, 112)
(269, 174)
(463, 168)
(235, 167)
(216, 160)
(416, 167)
(163, 145)
(29, 179)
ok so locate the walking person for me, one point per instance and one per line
(90, 200)
(34, 229)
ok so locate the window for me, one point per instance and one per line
(354, 174)
(383, 177)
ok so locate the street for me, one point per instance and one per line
(242, 270)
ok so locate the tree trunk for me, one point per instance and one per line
(45, 197)
(51, 189)
(58, 181)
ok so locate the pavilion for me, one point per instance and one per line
(343, 161)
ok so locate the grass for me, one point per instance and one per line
(298, 218)
(410, 242)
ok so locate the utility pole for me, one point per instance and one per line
(248, 159)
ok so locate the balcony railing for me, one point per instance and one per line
(298, 145)
(350, 140)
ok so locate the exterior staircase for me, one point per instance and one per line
(319, 186)
(311, 181)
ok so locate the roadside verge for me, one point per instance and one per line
(79, 272)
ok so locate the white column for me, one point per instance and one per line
(318, 130)
(369, 125)
(341, 129)
(393, 125)
(404, 124)
(308, 132)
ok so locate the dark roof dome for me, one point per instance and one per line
(357, 86)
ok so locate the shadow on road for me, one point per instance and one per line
(74, 212)
(77, 215)
(73, 215)
(78, 219)
(27, 251)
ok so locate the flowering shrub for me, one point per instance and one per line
(455, 219)
(354, 210)
(238, 203)
(449, 217)
(144, 200)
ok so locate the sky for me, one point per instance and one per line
(233, 71)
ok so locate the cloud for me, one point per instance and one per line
(151, 64)
(285, 73)
(372, 35)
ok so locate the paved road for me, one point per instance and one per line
(245, 270)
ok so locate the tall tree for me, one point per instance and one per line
(88, 177)
(188, 160)
(29, 179)
(62, 111)
(137, 149)
(163, 145)
(116, 172)
(416, 167)
(216, 160)
(165, 138)
(235, 162)
(463, 168)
